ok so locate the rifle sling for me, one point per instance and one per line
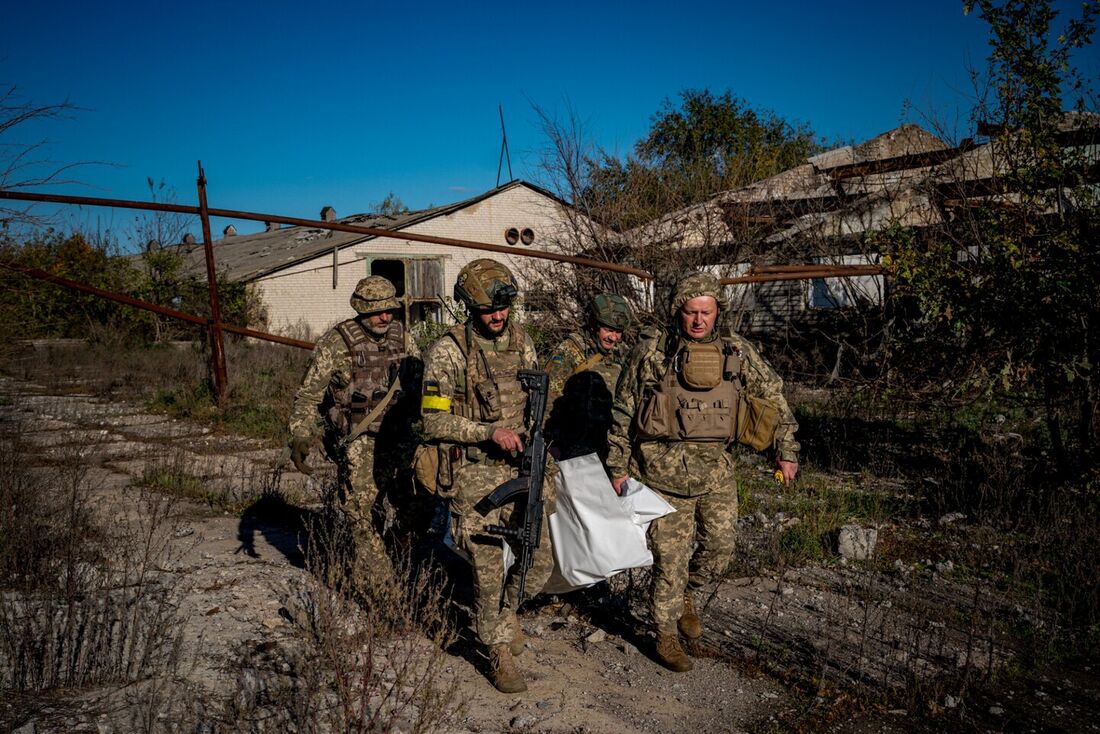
(588, 363)
(371, 416)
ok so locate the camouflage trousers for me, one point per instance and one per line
(495, 593)
(690, 547)
(372, 474)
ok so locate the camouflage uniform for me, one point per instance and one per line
(375, 462)
(583, 376)
(479, 470)
(580, 414)
(695, 477)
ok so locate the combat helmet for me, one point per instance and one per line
(695, 284)
(485, 284)
(374, 295)
(610, 310)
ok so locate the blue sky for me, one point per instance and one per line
(292, 106)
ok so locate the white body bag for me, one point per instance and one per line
(596, 533)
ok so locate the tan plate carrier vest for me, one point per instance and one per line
(492, 393)
(373, 368)
(697, 398)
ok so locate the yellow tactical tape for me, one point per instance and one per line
(435, 402)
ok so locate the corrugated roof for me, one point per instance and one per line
(253, 256)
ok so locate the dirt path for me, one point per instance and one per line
(587, 662)
(235, 575)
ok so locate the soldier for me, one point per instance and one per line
(584, 370)
(474, 406)
(364, 368)
(675, 417)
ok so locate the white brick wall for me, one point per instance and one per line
(301, 301)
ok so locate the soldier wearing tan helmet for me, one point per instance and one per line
(685, 396)
(584, 369)
(360, 397)
(473, 407)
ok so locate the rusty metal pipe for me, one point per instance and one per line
(137, 303)
(850, 271)
(803, 273)
(336, 226)
(811, 267)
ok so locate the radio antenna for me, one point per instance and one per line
(504, 152)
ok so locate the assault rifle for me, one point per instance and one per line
(527, 487)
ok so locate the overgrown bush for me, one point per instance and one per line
(31, 308)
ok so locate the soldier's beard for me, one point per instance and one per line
(493, 329)
(377, 330)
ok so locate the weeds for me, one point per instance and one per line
(172, 379)
(354, 662)
(83, 604)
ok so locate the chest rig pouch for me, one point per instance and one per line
(374, 366)
(492, 393)
(697, 398)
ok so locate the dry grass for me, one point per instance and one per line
(82, 602)
(357, 660)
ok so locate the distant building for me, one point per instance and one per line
(827, 210)
(305, 276)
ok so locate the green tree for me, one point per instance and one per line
(697, 146)
(32, 308)
(1010, 282)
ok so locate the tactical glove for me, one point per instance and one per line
(299, 451)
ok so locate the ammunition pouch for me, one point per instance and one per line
(489, 401)
(706, 421)
(757, 422)
(433, 466)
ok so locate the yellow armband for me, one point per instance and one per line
(432, 401)
(435, 403)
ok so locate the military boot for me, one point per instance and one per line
(669, 652)
(518, 643)
(689, 623)
(505, 675)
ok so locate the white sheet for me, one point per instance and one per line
(596, 533)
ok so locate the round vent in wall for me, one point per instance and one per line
(511, 235)
(527, 236)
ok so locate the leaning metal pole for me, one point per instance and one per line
(42, 275)
(217, 344)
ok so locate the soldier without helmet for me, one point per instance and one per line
(474, 406)
(678, 409)
(364, 367)
(584, 369)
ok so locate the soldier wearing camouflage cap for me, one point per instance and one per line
(359, 397)
(474, 408)
(686, 395)
(584, 369)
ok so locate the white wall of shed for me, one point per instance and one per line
(301, 300)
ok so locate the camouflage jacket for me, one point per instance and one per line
(573, 351)
(686, 468)
(330, 363)
(445, 371)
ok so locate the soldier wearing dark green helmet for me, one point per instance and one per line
(366, 367)
(584, 369)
